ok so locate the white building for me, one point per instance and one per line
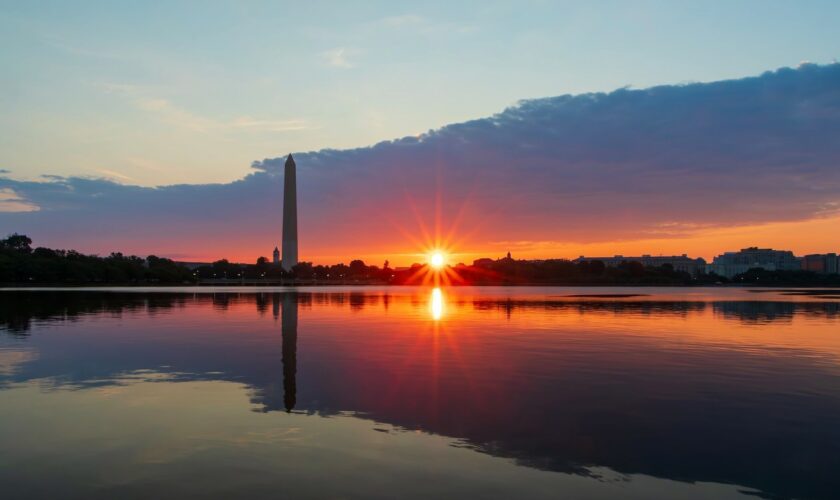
(823, 263)
(730, 264)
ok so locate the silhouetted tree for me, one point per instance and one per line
(303, 270)
(358, 269)
(20, 264)
(17, 242)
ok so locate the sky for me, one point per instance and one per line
(550, 129)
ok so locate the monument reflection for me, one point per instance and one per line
(289, 324)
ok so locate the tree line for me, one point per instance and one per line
(21, 264)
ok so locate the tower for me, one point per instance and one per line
(276, 256)
(290, 236)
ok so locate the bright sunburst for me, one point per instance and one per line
(437, 260)
(437, 246)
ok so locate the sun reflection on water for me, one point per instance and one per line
(436, 304)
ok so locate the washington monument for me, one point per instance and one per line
(290, 235)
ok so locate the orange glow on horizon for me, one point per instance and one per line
(817, 235)
(802, 237)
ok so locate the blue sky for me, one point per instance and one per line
(155, 93)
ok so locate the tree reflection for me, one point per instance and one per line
(18, 309)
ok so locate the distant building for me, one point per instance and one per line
(192, 266)
(276, 256)
(682, 262)
(826, 263)
(730, 264)
(483, 262)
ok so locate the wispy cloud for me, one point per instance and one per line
(10, 202)
(116, 175)
(72, 49)
(246, 122)
(175, 115)
(338, 57)
(180, 117)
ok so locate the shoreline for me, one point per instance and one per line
(129, 286)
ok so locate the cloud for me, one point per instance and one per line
(337, 58)
(142, 98)
(64, 45)
(629, 164)
(10, 202)
(116, 175)
(175, 115)
(246, 122)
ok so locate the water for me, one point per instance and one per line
(386, 392)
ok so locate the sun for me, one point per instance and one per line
(437, 260)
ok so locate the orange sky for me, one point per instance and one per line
(810, 236)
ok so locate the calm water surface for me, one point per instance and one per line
(378, 393)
